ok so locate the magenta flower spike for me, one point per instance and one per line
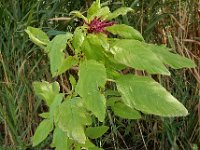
(98, 26)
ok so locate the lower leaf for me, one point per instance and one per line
(122, 110)
(96, 132)
(148, 96)
(42, 131)
(72, 119)
(60, 140)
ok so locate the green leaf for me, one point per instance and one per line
(122, 110)
(46, 91)
(112, 74)
(125, 31)
(55, 49)
(119, 11)
(101, 13)
(88, 146)
(42, 131)
(92, 48)
(56, 115)
(173, 60)
(79, 15)
(78, 38)
(103, 41)
(148, 96)
(67, 63)
(94, 8)
(60, 140)
(72, 119)
(55, 104)
(136, 54)
(92, 76)
(37, 36)
(97, 47)
(96, 132)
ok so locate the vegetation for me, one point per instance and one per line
(22, 63)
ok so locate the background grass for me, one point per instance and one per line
(175, 23)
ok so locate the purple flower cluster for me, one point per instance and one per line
(98, 26)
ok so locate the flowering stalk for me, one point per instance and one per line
(98, 26)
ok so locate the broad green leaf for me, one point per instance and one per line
(79, 15)
(87, 146)
(46, 91)
(122, 110)
(125, 31)
(55, 49)
(55, 104)
(101, 44)
(96, 47)
(78, 38)
(119, 11)
(60, 140)
(99, 41)
(101, 13)
(67, 63)
(42, 131)
(148, 96)
(92, 48)
(56, 115)
(72, 119)
(173, 60)
(37, 36)
(136, 54)
(96, 132)
(112, 74)
(92, 76)
(103, 41)
(94, 8)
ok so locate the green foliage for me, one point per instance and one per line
(44, 128)
(116, 13)
(100, 59)
(173, 60)
(102, 12)
(46, 91)
(72, 118)
(78, 38)
(55, 50)
(93, 9)
(96, 132)
(92, 76)
(67, 63)
(153, 99)
(37, 36)
(135, 54)
(78, 14)
(60, 140)
(122, 110)
(125, 31)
